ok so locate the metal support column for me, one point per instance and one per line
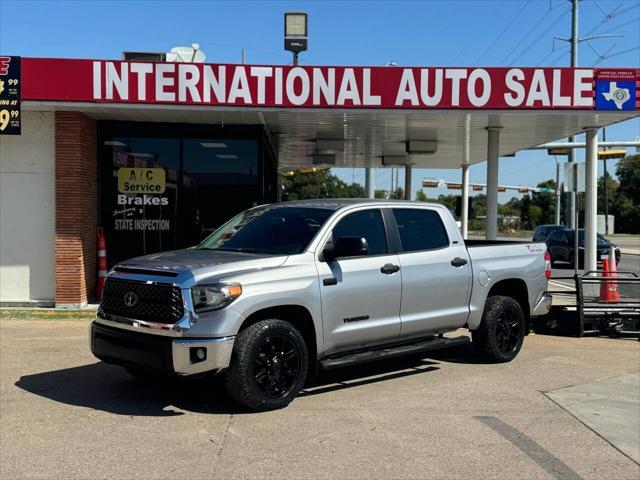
(464, 211)
(407, 181)
(571, 200)
(557, 192)
(493, 147)
(591, 199)
(369, 186)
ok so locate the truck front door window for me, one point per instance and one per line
(367, 224)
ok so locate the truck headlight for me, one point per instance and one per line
(214, 297)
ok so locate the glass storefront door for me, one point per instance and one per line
(139, 195)
(219, 178)
(164, 187)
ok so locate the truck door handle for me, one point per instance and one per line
(389, 268)
(458, 262)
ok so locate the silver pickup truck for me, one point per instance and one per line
(282, 290)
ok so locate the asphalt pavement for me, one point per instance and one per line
(65, 415)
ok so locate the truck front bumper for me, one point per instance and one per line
(169, 355)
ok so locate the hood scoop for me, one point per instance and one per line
(146, 271)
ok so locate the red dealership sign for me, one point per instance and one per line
(307, 87)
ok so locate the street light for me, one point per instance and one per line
(295, 33)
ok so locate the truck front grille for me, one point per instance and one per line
(142, 301)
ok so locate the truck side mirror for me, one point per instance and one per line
(347, 247)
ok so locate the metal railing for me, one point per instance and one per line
(586, 310)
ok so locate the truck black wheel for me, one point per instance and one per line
(268, 365)
(502, 330)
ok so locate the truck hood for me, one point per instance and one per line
(200, 263)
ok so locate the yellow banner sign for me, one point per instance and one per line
(141, 180)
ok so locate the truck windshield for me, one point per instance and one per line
(277, 231)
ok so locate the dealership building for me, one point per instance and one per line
(159, 154)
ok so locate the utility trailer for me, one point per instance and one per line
(583, 311)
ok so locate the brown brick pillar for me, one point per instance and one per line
(76, 208)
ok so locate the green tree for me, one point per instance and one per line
(628, 173)
(448, 201)
(380, 194)
(478, 205)
(421, 196)
(612, 192)
(537, 216)
(511, 208)
(323, 184)
(623, 195)
(397, 194)
(546, 202)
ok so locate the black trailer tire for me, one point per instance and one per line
(268, 365)
(501, 331)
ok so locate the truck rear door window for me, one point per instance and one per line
(420, 229)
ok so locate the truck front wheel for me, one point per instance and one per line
(268, 365)
(501, 331)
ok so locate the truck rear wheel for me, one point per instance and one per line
(268, 365)
(501, 331)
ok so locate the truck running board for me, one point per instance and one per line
(432, 343)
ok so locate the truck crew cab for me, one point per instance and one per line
(282, 289)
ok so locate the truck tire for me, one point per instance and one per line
(501, 331)
(268, 365)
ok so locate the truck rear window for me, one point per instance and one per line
(420, 229)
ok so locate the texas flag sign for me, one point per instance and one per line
(615, 91)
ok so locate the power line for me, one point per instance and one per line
(562, 50)
(607, 17)
(504, 30)
(606, 57)
(481, 29)
(535, 26)
(635, 20)
(546, 30)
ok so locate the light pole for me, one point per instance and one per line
(295, 33)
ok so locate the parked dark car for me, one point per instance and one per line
(541, 232)
(561, 246)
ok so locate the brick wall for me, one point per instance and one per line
(76, 205)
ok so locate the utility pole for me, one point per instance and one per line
(570, 205)
(574, 63)
(606, 194)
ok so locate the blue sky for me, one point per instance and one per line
(444, 33)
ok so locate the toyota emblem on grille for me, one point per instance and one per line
(130, 299)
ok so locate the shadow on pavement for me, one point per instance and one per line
(383, 370)
(348, 377)
(109, 388)
(105, 387)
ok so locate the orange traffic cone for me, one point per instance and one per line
(603, 285)
(609, 288)
(614, 293)
(102, 263)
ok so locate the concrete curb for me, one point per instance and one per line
(17, 313)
